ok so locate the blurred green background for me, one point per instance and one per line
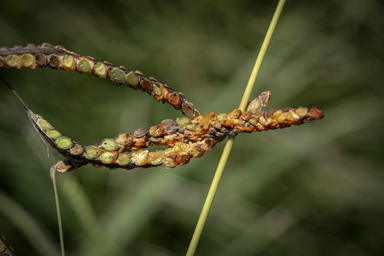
(315, 189)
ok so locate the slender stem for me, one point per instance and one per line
(53, 177)
(260, 57)
(231, 139)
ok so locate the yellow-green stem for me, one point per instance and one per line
(231, 139)
(53, 176)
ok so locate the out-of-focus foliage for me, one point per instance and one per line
(315, 189)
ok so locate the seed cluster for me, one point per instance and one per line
(57, 57)
(185, 137)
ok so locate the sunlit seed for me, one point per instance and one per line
(54, 134)
(123, 159)
(64, 143)
(183, 120)
(100, 70)
(156, 157)
(108, 157)
(43, 124)
(109, 144)
(60, 47)
(197, 151)
(47, 45)
(170, 161)
(155, 139)
(301, 112)
(221, 117)
(68, 61)
(217, 125)
(156, 89)
(13, 61)
(132, 79)
(190, 127)
(117, 75)
(91, 153)
(140, 157)
(287, 117)
(139, 72)
(29, 60)
(254, 105)
(84, 66)
(31, 46)
(252, 121)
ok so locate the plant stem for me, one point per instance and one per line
(231, 139)
(53, 177)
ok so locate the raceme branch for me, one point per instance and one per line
(185, 137)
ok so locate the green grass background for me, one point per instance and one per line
(315, 189)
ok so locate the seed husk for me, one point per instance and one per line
(140, 157)
(146, 84)
(43, 124)
(140, 132)
(68, 62)
(100, 70)
(41, 60)
(91, 153)
(132, 79)
(170, 161)
(156, 89)
(54, 134)
(47, 45)
(156, 157)
(220, 117)
(76, 150)
(84, 66)
(29, 61)
(123, 159)
(31, 46)
(155, 139)
(64, 143)
(183, 120)
(109, 144)
(54, 61)
(13, 61)
(117, 75)
(190, 127)
(108, 157)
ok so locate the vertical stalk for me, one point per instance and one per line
(53, 177)
(231, 139)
